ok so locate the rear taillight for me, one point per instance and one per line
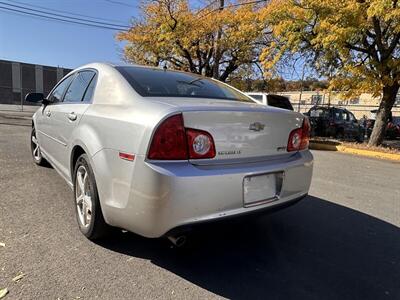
(169, 140)
(172, 141)
(300, 137)
(200, 144)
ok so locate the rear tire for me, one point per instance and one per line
(35, 150)
(87, 204)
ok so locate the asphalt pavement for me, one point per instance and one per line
(342, 242)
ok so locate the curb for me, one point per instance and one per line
(344, 149)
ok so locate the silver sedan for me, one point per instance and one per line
(155, 151)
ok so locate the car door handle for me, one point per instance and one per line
(72, 116)
(48, 113)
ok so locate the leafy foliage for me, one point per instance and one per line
(212, 42)
(355, 43)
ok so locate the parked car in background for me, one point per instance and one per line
(156, 151)
(271, 100)
(392, 127)
(334, 122)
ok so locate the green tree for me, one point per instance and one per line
(355, 43)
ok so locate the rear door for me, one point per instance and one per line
(45, 134)
(66, 116)
(355, 127)
(348, 126)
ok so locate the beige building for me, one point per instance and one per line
(359, 106)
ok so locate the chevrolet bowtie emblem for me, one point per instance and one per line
(257, 126)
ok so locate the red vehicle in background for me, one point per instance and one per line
(392, 128)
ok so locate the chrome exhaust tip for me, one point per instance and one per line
(178, 241)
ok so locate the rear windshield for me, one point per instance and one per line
(149, 82)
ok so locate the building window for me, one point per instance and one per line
(316, 99)
(397, 101)
(303, 102)
(354, 101)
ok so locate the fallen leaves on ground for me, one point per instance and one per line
(18, 277)
(3, 292)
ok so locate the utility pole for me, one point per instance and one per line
(217, 53)
(22, 91)
(301, 87)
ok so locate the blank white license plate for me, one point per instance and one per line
(259, 189)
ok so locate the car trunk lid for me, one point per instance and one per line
(241, 131)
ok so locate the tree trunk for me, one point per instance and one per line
(383, 114)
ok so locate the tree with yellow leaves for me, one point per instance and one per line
(214, 42)
(355, 43)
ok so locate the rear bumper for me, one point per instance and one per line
(153, 198)
(250, 214)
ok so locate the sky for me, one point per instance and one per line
(34, 40)
(47, 42)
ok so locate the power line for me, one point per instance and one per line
(234, 5)
(59, 19)
(120, 3)
(207, 6)
(63, 16)
(63, 11)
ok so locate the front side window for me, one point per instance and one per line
(57, 94)
(78, 87)
(152, 82)
(339, 115)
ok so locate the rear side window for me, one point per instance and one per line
(78, 87)
(90, 90)
(257, 97)
(57, 94)
(152, 82)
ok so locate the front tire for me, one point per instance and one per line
(35, 150)
(87, 205)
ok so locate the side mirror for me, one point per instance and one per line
(34, 97)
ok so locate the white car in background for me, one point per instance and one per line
(156, 151)
(271, 100)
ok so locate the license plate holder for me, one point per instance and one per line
(262, 188)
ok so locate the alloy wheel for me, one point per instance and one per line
(35, 147)
(83, 196)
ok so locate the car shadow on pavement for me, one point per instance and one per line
(313, 250)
